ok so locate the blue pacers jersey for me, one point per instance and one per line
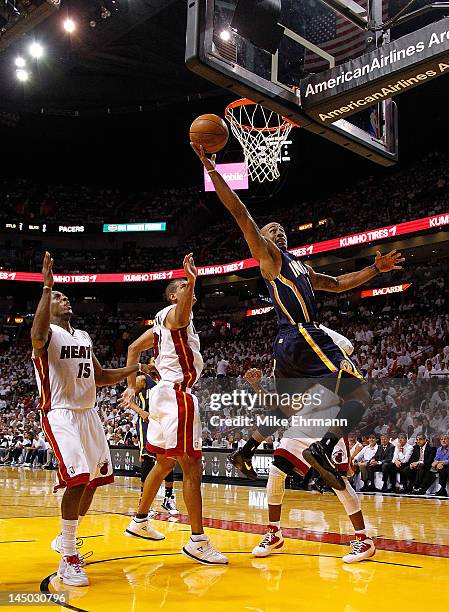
(291, 293)
(141, 425)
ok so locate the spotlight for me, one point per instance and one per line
(225, 35)
(22, 75)
(20, 62)
(36, 50)
(69, 25)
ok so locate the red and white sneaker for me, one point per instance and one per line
(71, 572)
(272, 541)
(361, 548)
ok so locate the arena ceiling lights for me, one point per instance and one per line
(17, 18)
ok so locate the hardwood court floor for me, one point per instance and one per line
(408, 572)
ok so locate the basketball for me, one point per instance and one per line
(210, 132)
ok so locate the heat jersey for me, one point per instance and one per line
(65, 371)
(291, 293)
(177, 352)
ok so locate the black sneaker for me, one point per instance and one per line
(441, 493)
(317, 458)
(321, 485)
(243, 464)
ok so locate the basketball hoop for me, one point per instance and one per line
(261, 133)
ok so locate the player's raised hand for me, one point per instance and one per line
(47, 270)
(253, 376)
(388, 262)
(189, 267)
(208, 162)
(126, 398)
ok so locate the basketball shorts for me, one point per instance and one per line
(174, 425)
(141, 429)
(292, 450)
(79, 443)
(307, 351)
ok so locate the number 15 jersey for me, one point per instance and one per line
(65, 371)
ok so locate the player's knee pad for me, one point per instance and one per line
(283, 464)
(349, 499)
(170, 477)
(275, 486)
(147, 466)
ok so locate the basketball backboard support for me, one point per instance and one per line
(219, 54)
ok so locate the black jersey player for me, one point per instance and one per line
(302, 350)
(140, 405)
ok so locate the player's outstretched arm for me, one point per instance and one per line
(105, 377)
(135, 408)
(135, 349)
(266, 253)
(345, 282)
(179, 316)
(41, 323)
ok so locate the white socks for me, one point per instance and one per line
(276, 524)
(68, 532)
(201, 537)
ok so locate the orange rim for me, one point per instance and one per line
(250, 128)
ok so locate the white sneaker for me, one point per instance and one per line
(361, 548)
(169, 504)
(142, 529)
(204, 552)
(71, 572)
(272, 541)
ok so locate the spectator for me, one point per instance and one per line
(417, 474)
(363, 458)
(440, 465)
(401, 460)
(380, 463)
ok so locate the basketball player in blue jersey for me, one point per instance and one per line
(141, 407)
(302, 350)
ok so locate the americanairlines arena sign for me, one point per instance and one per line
(359, 239)
(388, 71)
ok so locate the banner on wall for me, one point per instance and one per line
(360, 239)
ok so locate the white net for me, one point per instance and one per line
(261, 133)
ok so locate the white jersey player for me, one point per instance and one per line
(67, 373)
(289, 458)
(174, 426)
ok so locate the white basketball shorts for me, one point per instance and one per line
(292, 449)
(79, 443)
(174, 425)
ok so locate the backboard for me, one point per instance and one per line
(315, 38)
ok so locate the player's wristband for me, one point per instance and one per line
(210, 171)
(46, 287)
(374, 266)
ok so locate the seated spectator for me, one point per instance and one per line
(440, 465)
(417, 474)
(401, 459)
(380, 463)
(362, 459)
